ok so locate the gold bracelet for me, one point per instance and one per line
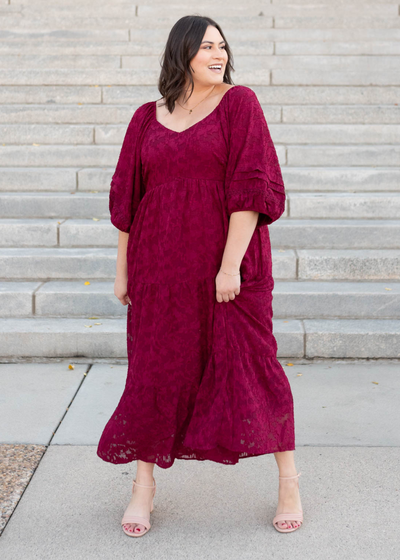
(228, 273)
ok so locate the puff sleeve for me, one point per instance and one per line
(125, 192)
(253, 175)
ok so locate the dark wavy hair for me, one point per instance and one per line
(183, 44)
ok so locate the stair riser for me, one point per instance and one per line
(75, 204)
(285, 305)
(21, 338)
(283, 234)
(85, 264)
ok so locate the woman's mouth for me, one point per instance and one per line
(217, 68)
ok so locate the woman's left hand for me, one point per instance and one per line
(227, 286)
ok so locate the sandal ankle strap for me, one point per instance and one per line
(295, 476)
(145, 485)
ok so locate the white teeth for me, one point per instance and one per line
(217, 67)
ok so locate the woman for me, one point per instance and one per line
(196, 185)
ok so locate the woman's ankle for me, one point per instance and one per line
(147, 480)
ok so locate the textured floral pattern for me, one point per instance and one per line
(203, 380)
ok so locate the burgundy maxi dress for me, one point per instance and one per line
(203, 380)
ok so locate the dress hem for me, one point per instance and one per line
(184, 457)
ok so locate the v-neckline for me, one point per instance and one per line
(193, 125)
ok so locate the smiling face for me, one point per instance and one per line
(211, 53)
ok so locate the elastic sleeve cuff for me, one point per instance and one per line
(257, 195)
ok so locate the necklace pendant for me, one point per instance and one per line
(190, 111)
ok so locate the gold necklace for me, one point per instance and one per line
(190, 110)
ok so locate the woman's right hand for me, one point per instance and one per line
(121, 289)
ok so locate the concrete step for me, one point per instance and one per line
(333, 47)
(350, 264)
(128, 76)
(354, 179)
(81, 337)
(194, 3)
(343, 21)
(58, 205)
(20, 232)
(35, 36)
(296, 10)
(300, 179)
(348, 155)
(158, 9)
(63, 47)
(37, 179)
(359, 3)
(60, 299)
(52, 134)
(76, 204)
(352, 338)
(58, 263)
(349, 114)
(164, 17)
(100, 263)
(273, 61)
(152, 31)
(287, 133)
(335, 63)
(291, 300)
(88, 263)
(344, 205)
(332, 234)
(286, 233)
(113, 115)
(325, 77)
(63, 61)
(336, 300)
(375, 134)
(135, 95)
(47, 233)
(97, 113)
(98, 155)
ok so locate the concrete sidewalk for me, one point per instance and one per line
(61, 501)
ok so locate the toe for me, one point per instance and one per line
(139, 528)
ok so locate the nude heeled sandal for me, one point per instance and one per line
(136, 518)
(288, 516)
